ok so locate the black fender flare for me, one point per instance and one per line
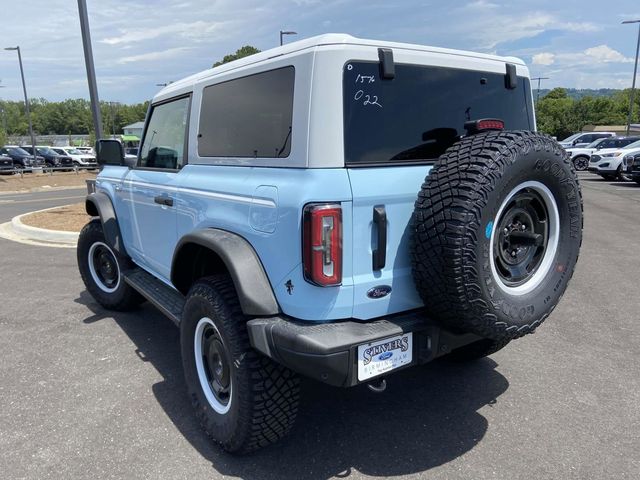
(99, 204)
(243, 264)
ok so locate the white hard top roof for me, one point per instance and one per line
(320, 40)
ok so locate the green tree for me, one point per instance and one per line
(3, 137)
(555, 115)
(240, 53)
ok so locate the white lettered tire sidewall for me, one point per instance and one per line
(524, 308)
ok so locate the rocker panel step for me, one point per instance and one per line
(166, 299)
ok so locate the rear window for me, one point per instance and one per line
(418, 114)
(248, 117)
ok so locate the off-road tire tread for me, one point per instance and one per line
(446, 220)
(270, 396)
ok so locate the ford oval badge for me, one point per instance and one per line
(379, 291)
(385, 356)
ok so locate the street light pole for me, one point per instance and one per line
(26, 100)
(635, 71)
(286, 33)
(91, 72)
(538, 91)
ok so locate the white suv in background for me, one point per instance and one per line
(580, 156)
(608, 162)
(583, 139)
(79, 158)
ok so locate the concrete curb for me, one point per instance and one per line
(42, 234)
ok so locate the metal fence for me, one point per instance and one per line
(46, 170)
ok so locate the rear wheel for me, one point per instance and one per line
(243, 400)
(477, 350)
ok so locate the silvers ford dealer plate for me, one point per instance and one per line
(383, 356)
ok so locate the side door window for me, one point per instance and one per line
(151, 188)
(164, 143)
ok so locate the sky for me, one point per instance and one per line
(140, 43)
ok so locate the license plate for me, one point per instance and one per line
(385, 355)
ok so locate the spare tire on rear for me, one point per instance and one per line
(497, 233)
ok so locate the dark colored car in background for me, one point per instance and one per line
(22, 160)
(51, 158)
(6, 164)
(633, 167)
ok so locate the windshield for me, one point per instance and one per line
(595, 143)
(571, 138)
(18, 151)
(45, 151)
(421, 112)
(632, 145)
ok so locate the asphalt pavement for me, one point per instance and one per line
(87, 393)
(12, 204)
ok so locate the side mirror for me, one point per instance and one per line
(130, 161)
(109, 152)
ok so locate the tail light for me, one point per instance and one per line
(483, 125)
(322, 243)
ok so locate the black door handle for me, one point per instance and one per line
(380, 221)
(164, 200)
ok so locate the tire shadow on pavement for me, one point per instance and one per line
(428, 415)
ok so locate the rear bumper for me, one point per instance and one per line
(328, 351)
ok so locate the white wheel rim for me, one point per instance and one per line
(214, 402)
(552, 243)
(92, 269)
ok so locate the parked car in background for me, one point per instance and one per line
(131, 151)
(633, 166)
(580, 156)
(6, 164)
(87, 150)
(79, 158)
(51, 157)
(583, 139)
(22, 160)
(608, 162)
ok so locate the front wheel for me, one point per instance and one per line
(243, 400)
(581, 163)
(101, 270)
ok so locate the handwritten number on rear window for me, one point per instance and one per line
(366, 98)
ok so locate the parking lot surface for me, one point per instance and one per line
(87, 393)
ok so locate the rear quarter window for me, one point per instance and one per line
(418, 114)
(248, 117)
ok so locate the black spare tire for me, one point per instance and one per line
(497, 233)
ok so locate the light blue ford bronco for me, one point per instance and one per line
(337, 208)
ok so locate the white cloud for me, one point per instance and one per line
(190, 30)
(593, 56)
(543, 58)
(604, 53)
(150, 56)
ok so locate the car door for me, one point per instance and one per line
(150, 188)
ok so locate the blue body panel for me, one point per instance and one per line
(264, 206)
(395, 188)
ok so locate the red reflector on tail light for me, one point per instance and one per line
(322, 243)
(490, 125)
(477, 126)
